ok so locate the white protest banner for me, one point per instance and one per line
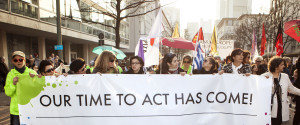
(145, 100)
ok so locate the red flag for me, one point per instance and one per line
(263, 41)
(279, 42)
(201, 37)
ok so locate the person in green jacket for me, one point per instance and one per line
(19, 61)
(186, 64)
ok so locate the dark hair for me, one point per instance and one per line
(227, 58)
(77, 64)
(167, 59)
(187, 57)
(213, 63)
(141, 71)
(245, 54)
(235, 52)
(274, 63)
(261, 69)
(43, 65)
(252, 67)
(139, 59)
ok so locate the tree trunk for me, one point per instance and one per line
(118, 22)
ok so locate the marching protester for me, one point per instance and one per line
(280, 88)
(209, 67)
(186, 64)
(254, 69)
(18, 60)
(261, 69)
(136, 66)
(246, 56)
(218, 60)
(297, 97)
(77, 67)
(237, 66)
(106, 63)
(259, 60)
(46, 68)
(287, 69)
(227, 60)
(3, 72)
(169, 65)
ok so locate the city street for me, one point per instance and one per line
(4, 109)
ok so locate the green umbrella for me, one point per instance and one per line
(98, 50)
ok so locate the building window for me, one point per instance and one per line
(24, 8)
(4, 4)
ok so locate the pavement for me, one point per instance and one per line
(4, 109)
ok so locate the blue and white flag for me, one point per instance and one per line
(198, 58)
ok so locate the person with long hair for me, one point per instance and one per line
(46, 68)
(106, 63)
(254, 69)
(280, 89)
(77, 67)
(169, 65)
(209, 67)
(237, 66)
(246, 57)
(136, 66)
(186, 64)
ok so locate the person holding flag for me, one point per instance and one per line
(209, 67)
(198, 57)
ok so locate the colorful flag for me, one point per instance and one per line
(279, 41)
(198, 58)
(254, 44)
(176, 32)
(214, 42)
(141, 50)
(196, 38)
(263, 41)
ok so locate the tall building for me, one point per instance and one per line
(192, 28)
(140, 26)
(173, 15)
(233, 8)
(30, 26)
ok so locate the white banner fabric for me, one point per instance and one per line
(150, 100)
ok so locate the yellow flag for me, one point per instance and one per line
(175, 32)
(214, 41)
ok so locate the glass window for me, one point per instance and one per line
(24, 8)
(73, 24)
(4, 4)
(48, 5)
(48, 16)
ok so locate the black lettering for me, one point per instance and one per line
(120, 98)
(199, 97)
(147, 99)
(245, 98)
(66, 100)
(234, 99)
(85, 100)
(179, 98)
(42, 99)
(106, 99)
(190, 99)
(54, 100)
(166, 98)
(95, 101)
(207, 97)
(225, 97)
(79, 99)
(134, 99)
(155, 100)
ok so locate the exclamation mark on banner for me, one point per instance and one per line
(250, 99)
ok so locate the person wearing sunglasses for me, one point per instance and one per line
(18, 60)
(136, 66)
(169, 65)
(186, 64)
(246, 56)
(237, 66)
(46, 68)
(77, 67)
(209, 67)
(106, 63)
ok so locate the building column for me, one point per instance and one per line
(86, 53)
(42, 47)
(67, 51)
(3, 46)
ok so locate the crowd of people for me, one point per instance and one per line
(283, 73)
